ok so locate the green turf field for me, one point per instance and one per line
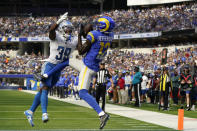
(63, 116)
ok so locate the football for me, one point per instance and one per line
(84, 29)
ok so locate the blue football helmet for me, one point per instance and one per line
(105, 24)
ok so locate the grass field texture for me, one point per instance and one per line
(63, 116)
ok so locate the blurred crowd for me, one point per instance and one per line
(180, 67)
(165, 18)
(157, 83)
(122, 60)
(26, 64)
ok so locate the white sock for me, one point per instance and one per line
(101, 113)
(45, 75)
(44, 114)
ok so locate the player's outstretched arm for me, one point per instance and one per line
(52, 33)
(82, 49)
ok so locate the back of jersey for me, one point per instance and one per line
(100, 43)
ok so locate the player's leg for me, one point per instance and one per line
(76, 63)
(56, 68)
(84, 83)
(103, 95)
(188, 99)
(44, 103)
(29, 113)
(36, 101)
(47, 83)
(98, 93)
(183, 96)
(76, 92)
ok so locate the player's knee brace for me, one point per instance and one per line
(82, 93)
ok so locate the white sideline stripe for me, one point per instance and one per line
(139, 124)
(93, 130)
(162, 119)
(134, 125)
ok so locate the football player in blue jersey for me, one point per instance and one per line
(94, 49)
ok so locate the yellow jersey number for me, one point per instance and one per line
(103, 50)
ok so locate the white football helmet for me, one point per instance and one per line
(65, 28)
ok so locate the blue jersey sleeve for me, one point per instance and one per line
(91, 36)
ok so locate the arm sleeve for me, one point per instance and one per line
(91, 37)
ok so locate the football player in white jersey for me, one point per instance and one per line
(62, 44)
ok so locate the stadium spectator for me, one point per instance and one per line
(121, 89)
(175, 87)
(143, 87)
(137, 85)
(127, 86)
(166, 18)
(186, 85)
(115, 90)
(164, 88)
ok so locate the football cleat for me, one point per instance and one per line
(45, 117)
(103, 120)
(29, 115)
(39, 77)
(193, 108)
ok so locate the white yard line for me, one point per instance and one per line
(166, 120)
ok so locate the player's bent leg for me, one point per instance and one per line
(104, 117)
(84, 83)
(83, 94)
(76, 63)
(59, 67)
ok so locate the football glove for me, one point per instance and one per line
(63, 17)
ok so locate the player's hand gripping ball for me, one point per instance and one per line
(85, 29)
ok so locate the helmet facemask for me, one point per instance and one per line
(65, 29)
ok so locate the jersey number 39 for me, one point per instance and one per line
(63, 53)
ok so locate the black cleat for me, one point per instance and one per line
(103, 120)
(188, 109)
